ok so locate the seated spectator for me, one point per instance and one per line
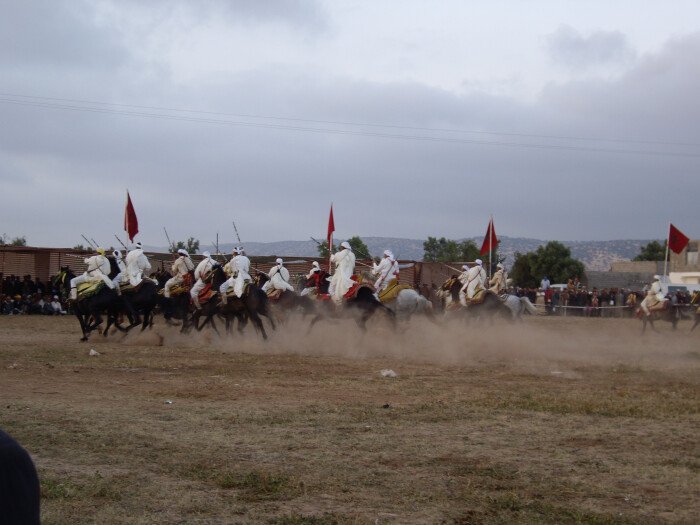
(57, 307)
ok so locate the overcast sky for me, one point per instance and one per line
(565, 120)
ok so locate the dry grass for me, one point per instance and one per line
(560, 421)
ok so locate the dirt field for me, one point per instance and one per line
(554, 421)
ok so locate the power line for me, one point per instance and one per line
(366, 124)
(331, 131)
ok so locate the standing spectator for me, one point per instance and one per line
(544, 283)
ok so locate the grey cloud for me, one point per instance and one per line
(56, 34)
(195, 177)
(569, 48)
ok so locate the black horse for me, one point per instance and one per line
(362, 307)
(143, 300)
(669, 314)
(177, 307)
(288, 301)
(490, 308)
(252, 305)
(89, 310)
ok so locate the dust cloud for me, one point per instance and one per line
(537, 345)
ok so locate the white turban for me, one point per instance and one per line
(478, 261)
(389, 254)
(117, 254)
(315, 264)
(207, 255)
(346, 244)
(499, 265)
(465, 267)
(657, 277)
(182, 251)
(279, 261)
(137, 245)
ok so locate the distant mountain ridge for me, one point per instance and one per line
(595, 255)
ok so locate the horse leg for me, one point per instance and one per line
(315, 320)
(258, 324)
(83, 326)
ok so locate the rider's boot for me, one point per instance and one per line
(74, 293)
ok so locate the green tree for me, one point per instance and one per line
(323, 249)
(80, 247)
(521, 272)
(18, 241)
(191, 245)
(653, 251)
(446, 250)
(359, 247)
(554, 260)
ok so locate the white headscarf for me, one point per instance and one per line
(182, 251)
(346, 244)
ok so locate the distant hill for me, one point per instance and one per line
(595, 255)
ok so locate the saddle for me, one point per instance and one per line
(391, 292)
(127, 288)
(274, 295)
(86, 290)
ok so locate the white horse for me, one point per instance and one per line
(518, 306)
(409, 302)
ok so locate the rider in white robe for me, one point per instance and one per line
(341, 281)
(181, 267)
(386, 270)
(476, 281)
(136, 264)
(315, 268)
(239, 266)
(654, 296)
(278, 278)
(201, 273)
(98, 268)
(498, 280)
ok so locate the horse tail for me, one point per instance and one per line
(529, 306)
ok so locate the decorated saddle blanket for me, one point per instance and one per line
(355, 289)
(129, 289)
(246, 289)
(391, 292)
(206, 294)
(478, 298)
(89, 289)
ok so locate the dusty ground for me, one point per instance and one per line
(554, 421)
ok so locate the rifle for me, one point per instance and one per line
(120, 242)
(170, 244)
(88, 241)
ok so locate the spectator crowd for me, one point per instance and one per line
(25, 296)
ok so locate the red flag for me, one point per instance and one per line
(331, 229)
(131, 223)
(676, 240)
(490, 241)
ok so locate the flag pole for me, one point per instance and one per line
(668, 241)
(490, 243)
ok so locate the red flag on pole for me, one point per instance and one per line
(131, 223)
(331, 229)
(676, 239)
(490, 241)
